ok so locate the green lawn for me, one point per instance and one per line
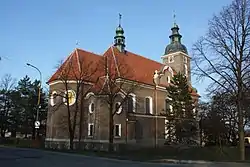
(206, 153)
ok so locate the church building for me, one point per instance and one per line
(140, 120)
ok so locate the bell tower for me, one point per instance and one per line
(176, 55)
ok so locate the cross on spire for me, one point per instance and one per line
(120, 18)
(77, 43)
(174, 17)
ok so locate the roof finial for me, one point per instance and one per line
(77, 43)
(174, 17)
(120, 18)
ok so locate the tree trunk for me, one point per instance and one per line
(81, 119)
(71, 139)
(241, 131)
(13, 133)
(111, 130)
(2, 133)
(200, 128)
(33, 132)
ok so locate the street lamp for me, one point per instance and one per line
(156, 82)
(37, 123)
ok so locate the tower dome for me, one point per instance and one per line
(119, 38)
(175, 45)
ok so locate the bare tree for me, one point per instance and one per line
(7, 84)
(117, 84)
(223, 55)
(76, 73)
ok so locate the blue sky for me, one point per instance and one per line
(45, 32)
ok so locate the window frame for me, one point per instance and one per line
(133, 102)
(89, 129)
(170, 106)
(185, 70)
(168, 79)
(184, 59)
(119, 111)
(150, 105)
(90, 107)
(171, 58)
(119, 130)
(52, 98)
(64, 98)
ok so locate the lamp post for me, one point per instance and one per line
(37, 123)
(156, 82)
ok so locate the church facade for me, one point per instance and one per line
(140, 121)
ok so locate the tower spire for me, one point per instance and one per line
(119, 38)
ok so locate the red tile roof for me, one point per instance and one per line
(126, 64)
(77, 60)
(133, 66)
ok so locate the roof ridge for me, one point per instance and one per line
(134, 54)
(145, 57)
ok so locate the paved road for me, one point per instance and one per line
(16, 157)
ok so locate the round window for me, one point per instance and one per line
(118, 108)
(91, 107)
(71, 97)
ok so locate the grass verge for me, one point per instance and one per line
(225, 154)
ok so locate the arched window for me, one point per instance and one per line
(71, 95)
(185, 70)
(168, 79)
(131, 103)
(149, 105)
(168, 106)
(184, 59)
(171, 59)
(53, 98)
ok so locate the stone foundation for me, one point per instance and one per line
(91, 146)
(63, 144)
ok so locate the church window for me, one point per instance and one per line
(185, 70)
(185, 59)
(171, 59)
(118, 130)
(131, 103)
(71, 96)
(90, 129)
(91, 107)
(118, 107)
(168, 106)
(168, 79)
(53, 98)
(149, 105)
